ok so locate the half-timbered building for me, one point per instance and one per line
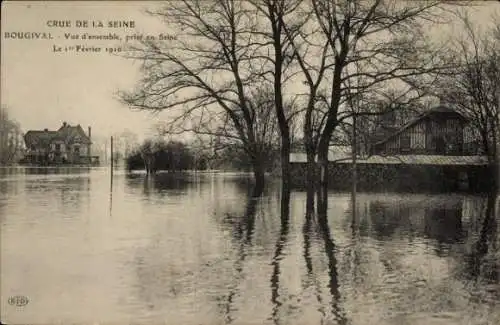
(440, 131)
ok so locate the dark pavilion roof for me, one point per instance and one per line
(66, 133)
(436, 111)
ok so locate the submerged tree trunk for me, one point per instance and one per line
(259, 176)
(311, 167)
(285, 162)
(323, 147)
(310, 200)
(148, 163)
(310, 147)
(311, 179)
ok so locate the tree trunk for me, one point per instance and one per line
(259, 176)
(285, 162)
(148, 163)
(285, 204)
(323, 175)
(310, 200)
(323, 164)
(311, 181)
(310, 146)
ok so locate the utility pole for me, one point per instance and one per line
(111, 155)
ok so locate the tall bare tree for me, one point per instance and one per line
(227, 51)
(276, 51)
(361, 47)
(207, 77)
(475, 90)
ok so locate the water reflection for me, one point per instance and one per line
(480, 264)
(389, 216)
(330, 250)
(308, 235)
(278, 254)
(202, 249)
(161, 184)
(242, 230)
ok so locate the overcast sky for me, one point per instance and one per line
(41, 89)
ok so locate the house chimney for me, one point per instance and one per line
(65, 124)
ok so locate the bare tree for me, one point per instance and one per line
(10, 139)
(205, 78)
(125, 142)
(266, 130)
(228, 51)
(361, 47)
(275, 51)
(475, 90)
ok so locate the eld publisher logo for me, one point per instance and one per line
(18, 301)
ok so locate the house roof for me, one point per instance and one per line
(38, 138)
(435, 110)
(425, 160)
(400, 159)
(66, 133)
(70, 133)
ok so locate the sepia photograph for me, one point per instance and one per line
(276, 162)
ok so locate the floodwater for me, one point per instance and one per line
(196, 250)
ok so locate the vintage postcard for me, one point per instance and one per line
(250, 162)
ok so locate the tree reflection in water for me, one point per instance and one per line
(308, 236)
(382, 259)
(478, 266)
(243, 230)
(278, 253)
(330, 250)
(378, 228)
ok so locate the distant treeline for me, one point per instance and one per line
(11, 139)
(162, 155)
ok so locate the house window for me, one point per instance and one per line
(405, 142)
(77, 150)
(58, 147)
(418, 141)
